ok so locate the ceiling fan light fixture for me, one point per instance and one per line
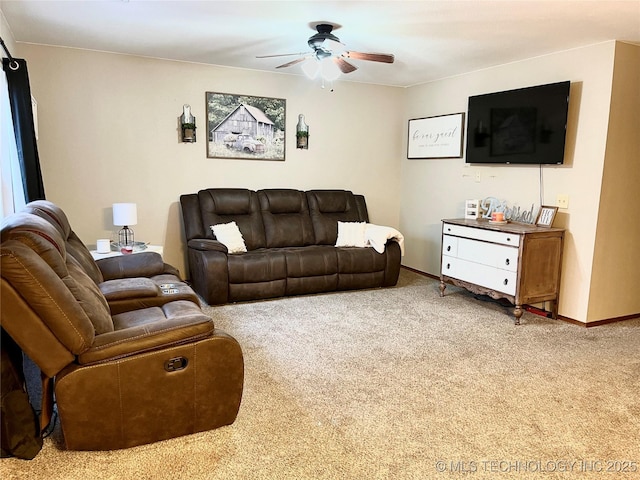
(329, 70)
(311, 68)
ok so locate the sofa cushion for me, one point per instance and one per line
(224, 205)
(261, 265)
(311, 261)
(358, 260)
(285, 214)
(327, 208)
(74, 246)
(89, 296)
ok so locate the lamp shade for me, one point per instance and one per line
(125, 214)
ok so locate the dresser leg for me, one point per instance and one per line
(518, 313)
(442, 287)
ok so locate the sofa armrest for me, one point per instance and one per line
(186, 326)
(205, 244)
(145, 264)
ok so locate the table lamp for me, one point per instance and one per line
(125, 214)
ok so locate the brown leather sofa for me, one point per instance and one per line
(290, 237)
(121, 379)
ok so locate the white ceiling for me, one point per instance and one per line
(430, 39)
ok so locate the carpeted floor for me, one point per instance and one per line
(400, 384)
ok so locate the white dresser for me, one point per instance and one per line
(516, 261)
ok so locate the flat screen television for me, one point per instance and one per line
(522, 126)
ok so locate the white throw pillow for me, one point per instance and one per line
(230, 236)
(351, 234)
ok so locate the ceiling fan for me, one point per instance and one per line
(328, 52)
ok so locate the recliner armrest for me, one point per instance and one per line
(123, 288)
(207, 244)
(145, 264)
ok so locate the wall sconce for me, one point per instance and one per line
(302, 133)
(187, 125)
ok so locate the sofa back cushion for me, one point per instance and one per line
(285, 214)
(327, 208)
(224, 205)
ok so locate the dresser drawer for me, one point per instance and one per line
(491, 254)
(489, 277)
(481, 234)
(450, 245)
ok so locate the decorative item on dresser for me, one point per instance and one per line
(515, 261)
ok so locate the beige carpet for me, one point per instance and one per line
(400, 384)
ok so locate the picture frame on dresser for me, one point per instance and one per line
(546, 215)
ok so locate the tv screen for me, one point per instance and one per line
(523, 126)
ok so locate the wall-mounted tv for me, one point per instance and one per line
(523, 126)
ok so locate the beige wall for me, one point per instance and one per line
(435, 189)
(615, 282)
(108, 133)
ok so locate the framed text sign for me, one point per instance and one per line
(436, 137)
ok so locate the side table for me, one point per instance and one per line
(150, 248)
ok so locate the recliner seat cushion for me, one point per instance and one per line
(311, 261)
(257, 266)
(358, 260)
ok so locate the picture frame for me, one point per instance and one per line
(436, 137)
(546, 215)
(245, 127)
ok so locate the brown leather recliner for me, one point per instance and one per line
(123, 379)
(128, 282)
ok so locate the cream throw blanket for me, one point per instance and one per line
(376, 236)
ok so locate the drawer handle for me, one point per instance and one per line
(508, 239)
(448, 229)
(506, 262)
(506, 280)
(448, 266)
(449, 248)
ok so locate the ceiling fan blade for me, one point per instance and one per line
(343, 65)
(280, 55)
(373, 57)
(297, 60)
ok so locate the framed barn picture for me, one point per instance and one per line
(245, 127)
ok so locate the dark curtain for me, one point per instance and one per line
(22, 113)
